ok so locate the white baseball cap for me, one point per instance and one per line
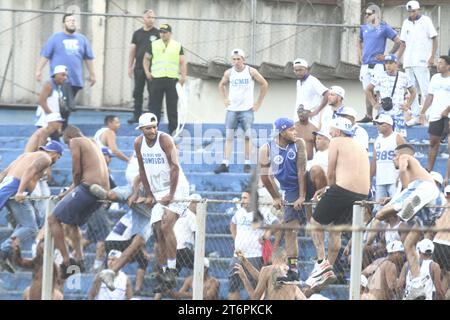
(322, 133)
(238, 52)
(59, 69)
(147, 119)
(54, 117)
(195, 197)
(425, 246)
(343, 124)
(447, 189)
(437, 177)
(206, 262)
(384, 118)
(300, 62)
(338, 90)
(115, 254)
(395, 246)
(347, 111)
(412, 5)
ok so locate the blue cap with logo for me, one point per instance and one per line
(282, 124)
(390, 57)
(52, 146)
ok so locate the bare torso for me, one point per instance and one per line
(92, 162)
(280, 292)
(414, 171)
(378, 286)
(443, 222)
(306, 133)
(352, 166)
(37, 139)
(22, 164)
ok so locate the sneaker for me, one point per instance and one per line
(366, 119)
(222, 168)
(99, 192)
(6, 264)
(321, 268)
(170, 278)
(415, 290)
(132, 120)
(323, 281)
(409, 205)
(107, 276)
(247, 168)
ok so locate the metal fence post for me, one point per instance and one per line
(47, 271)
(253, 31)
(199, 252)
(356, 254)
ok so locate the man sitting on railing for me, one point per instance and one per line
(419, 191)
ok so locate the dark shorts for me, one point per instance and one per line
(438, 128)
(310, 189)
(185, 259)
(77, 206)
(289, 212)
(234, 281)
(98, 225)
(336, 206)
(441, 255)
(122, 246)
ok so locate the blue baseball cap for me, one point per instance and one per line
(52, 146)
(390, 57)
(282, 124)
(107, 152)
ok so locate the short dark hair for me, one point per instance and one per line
(66, 15)
(405, 146)
(446, 58)
(109, 118)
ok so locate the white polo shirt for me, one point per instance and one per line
(417, 36)
(185, 229)
(309, 93)
(440, 89)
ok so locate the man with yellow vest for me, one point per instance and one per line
(163, 63)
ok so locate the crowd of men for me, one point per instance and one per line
(321, 155)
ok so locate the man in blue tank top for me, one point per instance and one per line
(285, 159)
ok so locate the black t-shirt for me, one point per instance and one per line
(142, 39)
(149, 50)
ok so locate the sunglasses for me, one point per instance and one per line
(368, 13)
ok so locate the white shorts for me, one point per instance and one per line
(366, 75)
(178, 208)
(425, 191)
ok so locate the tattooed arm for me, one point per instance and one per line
(301, 170)
(37, 168)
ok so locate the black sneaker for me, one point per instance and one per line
(247, 168)
(366, 119)
(6, 264)
(132, 120)
(170, 278)
(222, 168)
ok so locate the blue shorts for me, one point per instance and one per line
(77, 206)
(8, 188)
(235, 118)
(289, 212)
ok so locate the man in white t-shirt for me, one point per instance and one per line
(420, 39)
(240, 104)
(310, 91)
(248, 239)
(437, 107)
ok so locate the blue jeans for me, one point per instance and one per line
(26, 226)
(235, 118)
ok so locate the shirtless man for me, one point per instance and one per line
(305, 130)
(39, 138)
(19, 177)
(88, 168)
(106, 136)
(419, 191)
(267, 280)
(348, 181)
(34, 291)
(383, 272)
(163, 180)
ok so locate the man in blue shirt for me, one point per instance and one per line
(372, 37)
(69, 49)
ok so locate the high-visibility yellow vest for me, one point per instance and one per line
(165, 59)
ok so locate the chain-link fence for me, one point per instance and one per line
(271, 34)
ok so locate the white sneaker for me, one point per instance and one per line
(99, 192)
(408, 209)
(107, 276)
(415, 290)
(323, 281)
(321, 268)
